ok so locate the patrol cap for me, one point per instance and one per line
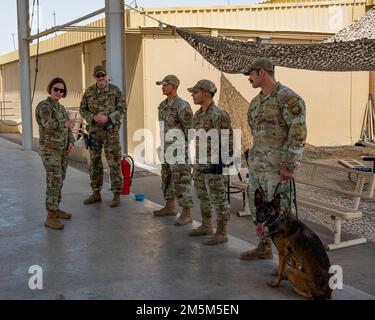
(203, 85)
(169, 79)
(99, 68)
(258, 64)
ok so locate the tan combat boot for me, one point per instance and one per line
(168, 210)
(184, 218)
(115, 200)
(220, 235)
(94, 197)
(62, 214)
(52, 221)
(262, 251)
(205, 229)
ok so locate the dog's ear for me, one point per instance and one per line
(258, 198)
(276, 201)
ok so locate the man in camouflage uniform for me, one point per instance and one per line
(210, 183)
(175, 113)
(277, 119)
(102, 107)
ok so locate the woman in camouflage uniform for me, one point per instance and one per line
(56, 142)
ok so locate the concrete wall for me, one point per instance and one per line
(135, 86)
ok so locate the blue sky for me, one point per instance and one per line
(67, 10)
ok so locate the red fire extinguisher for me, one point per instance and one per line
(127, 168)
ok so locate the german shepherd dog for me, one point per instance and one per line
(298, 246)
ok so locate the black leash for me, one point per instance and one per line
(293, 182)
(292, 185)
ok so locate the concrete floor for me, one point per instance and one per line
(357, 262)
(116, 253)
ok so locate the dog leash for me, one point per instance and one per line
(293, 182)
(292, 185)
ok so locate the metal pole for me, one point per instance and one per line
(2, 94)
(83, 66)
(57, 28)
(115, 51)
(24, 61)
(14, 43)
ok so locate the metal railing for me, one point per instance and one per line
(4, 109)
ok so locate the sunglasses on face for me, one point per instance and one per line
(58, 90)
(100, 75)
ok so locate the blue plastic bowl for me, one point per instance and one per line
(139, 197)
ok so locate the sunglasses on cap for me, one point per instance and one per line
(100, 75)
(58, 90)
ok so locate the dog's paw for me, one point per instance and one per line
(274, 283)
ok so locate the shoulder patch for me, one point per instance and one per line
(292, 100)
(296, 109)
(295, 106)
(45, 110)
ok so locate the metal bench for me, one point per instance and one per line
(346, 182)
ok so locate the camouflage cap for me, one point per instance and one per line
(169, 79)
(203, 85)
(258, 64)
(99, 68)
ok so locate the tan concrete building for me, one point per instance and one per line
(335, 100)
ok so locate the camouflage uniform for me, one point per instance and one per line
(211, 188)
(54, 139)
(109, 102)
(176, 178)
(277, 123)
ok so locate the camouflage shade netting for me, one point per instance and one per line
(351, 49)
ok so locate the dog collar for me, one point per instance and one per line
(278, 218)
